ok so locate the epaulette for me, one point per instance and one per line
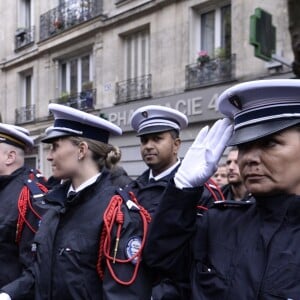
(34, 189)
(125, 195)
(233, 203)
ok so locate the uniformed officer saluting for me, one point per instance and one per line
(88, 243)
(159, 128)
(242, 250)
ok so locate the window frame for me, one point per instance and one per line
(218, 30)
(67, 80)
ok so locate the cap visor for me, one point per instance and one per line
(53, 135)
(257, 131)
(154, 129)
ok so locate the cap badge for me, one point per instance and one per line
(145, 114)
(235, 100)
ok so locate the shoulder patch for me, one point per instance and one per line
(132, 247)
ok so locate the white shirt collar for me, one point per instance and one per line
(84, 184)
(164, 173)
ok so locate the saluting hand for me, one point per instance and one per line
(200, 162)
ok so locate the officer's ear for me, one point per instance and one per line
(11, 157)
(82, 149)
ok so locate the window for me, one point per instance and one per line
(25, 14)
(26, 89)
(31, 162)
(137, 54)
(24, 34)
(214, 30)
(75, 72)
(137, 78)
(25, 112)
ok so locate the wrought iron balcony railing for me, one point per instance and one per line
(84, 100)
(134, 89)
(25, 114)
(24, 36)
(216, 70)
(68, 14)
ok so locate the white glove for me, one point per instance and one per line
(200, 162)
(4, 296)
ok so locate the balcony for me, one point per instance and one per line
(133, 89)
(67, 15)
(24, 37)
(214, 71)
(25, 114)
(84, 100)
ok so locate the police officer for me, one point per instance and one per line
(17, 227)
(89, 242)
(158, 128)
(242, 249)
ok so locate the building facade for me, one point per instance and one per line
(109, 57)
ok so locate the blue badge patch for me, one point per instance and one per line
(132, 247)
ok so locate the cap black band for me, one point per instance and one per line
(267, 113)
(88, 131)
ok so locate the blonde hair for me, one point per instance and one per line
(103, 154)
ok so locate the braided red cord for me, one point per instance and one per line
(210, 181)
(112, 215)
(202, 207)
(22, 207)
(23, 204)
(207, 185)
(42, 187)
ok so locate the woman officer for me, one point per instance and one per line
(246, 249)
(88, 243)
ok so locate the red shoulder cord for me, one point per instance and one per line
(212, 182)
(114, 215)
(214, 195)
(24, 203)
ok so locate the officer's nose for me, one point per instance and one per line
(249, 154)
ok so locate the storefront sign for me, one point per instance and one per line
(198, 105)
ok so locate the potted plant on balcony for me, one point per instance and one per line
(87, 86)
(203, 57)
(64, 98)
(220, 53)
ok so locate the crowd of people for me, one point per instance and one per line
(194, 228)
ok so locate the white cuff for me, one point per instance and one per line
(4, 296)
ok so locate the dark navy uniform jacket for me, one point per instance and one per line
(242, 250)
(67, 246)
(149, 195)
(14, 257)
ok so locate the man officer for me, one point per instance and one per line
(159, 130)
(20, 187)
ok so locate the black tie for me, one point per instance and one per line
(71, 196)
